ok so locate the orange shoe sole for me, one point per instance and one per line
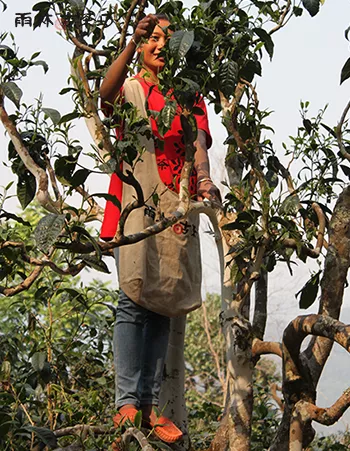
(164, 428)
(123, 415)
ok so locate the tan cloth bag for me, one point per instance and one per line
(163, 272)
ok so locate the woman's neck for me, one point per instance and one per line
(149, 76)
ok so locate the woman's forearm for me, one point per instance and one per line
(201, 160)
(117, 73)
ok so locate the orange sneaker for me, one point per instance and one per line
(125, 413)
(163, 428)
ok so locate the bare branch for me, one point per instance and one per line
(53, 180)
(126, 23)
(281, 22)
(87, 48)
(80, 429)
(71, 270)
(27, 283)
(266, 347)
(304, 412)
(96, 212)
(339, 133)
(322, 226)
(333, 282)
(211, 347)
(301, 327)
(137, 203)
(274, 387)
(322, 415)
(139, 436)
(260, 308)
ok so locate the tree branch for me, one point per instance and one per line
(87, 48)
(126, 23)
(281, 22)
(27, 283)
(339, 133)
(266, 347)
(211, 347)
(336, 267)
(278, 400)
(139, 436)
(40, 175)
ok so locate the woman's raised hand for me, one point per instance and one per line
(145, 28)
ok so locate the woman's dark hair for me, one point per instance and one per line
(162, 16)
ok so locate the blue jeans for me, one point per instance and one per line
(140, 345)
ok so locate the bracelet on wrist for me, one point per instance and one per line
(134, 42)
(205, 179)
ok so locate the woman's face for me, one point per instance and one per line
(151, 49)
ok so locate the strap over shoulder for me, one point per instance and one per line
(134, 93)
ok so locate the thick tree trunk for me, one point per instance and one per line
(238, 336)
(313, 359)
(172, 393)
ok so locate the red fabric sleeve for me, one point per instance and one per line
(202, 121)
(112, 212)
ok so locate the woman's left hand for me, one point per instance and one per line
(207, 190)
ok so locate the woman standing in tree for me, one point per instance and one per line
(159, 277)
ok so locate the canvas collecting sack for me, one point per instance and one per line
(162, 272)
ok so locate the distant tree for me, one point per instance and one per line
(269, 216)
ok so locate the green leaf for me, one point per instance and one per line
(329, 130)
(198, 111)
(271, 262)
(54, 115)
(250, 69)
(180, 43)
(309, 291)
(297, 11)
(345, 72)
(45, 435)
(48, 230)
(74, 295)
(12, 92)
(266, 39)
(69, 117)
(65, 90)
(43, 9)
(38, 361)
(243, 221)
(312, 6)
(307, 125)
(115, 201)
(228, 74)
(166, 117)
(80, 177)
(64, 168)
(138, 419)
(40, 63)
(5, 371)
(290, 205)
(271, 178)
(26, 188)
(78, 4)
(346, 33)
(346, 170)
(95, 263)
(84, 232)
(8, 215)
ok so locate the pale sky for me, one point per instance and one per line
(309, 55)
